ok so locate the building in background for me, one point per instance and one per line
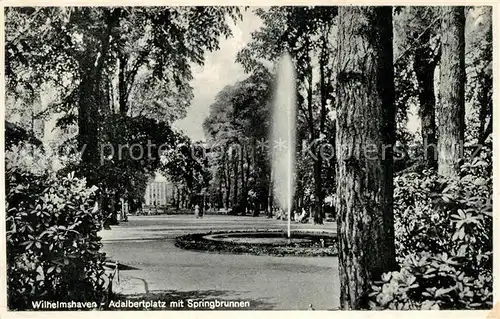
(158, 192)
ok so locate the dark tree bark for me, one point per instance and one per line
(364, 139)
(322, 121)
(313, 135)
(425, 65)
(92, 100)
(243, 182)
(220, 199)
(270, 201)
(227, 174)
(178, 198)
(122, 85)
(247, 176)
(486, 87)
(88, 115)
(236, 176)
(319, 213)
(173, 196)
(486, 114)
(452, 89)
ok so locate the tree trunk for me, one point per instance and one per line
(220, 199)
(425, 64)
(91, 100)
(122, 85)
(452, 89)
(88, 118)
(365, 122)
(173, 196)
(236, 176)
(318, 198)
(227, 179)
(178, 201)
(243, 183)
(270, 201)
(486, 85)
(319, 162)
(247, 178)
(228, 182)
(316, 150)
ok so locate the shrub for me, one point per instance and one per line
(443, 231)
(432, 281)
(52, 224)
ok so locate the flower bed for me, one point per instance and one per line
(310, 244)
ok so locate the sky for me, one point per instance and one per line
(220, 70)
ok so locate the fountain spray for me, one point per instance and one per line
(283, 136)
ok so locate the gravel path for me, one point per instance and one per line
(155, 268)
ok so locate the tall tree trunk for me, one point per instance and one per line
(228, 182)
(365, 120)
(236, 176)
(91, 98)
(178, 201)
(425, 64)
(486, 84)
(318, 163)
(316, 160)
(243, 183)
(173, 196)
(247, 177)
(220, 199)
(452, 89)
(88, 117)
(122, 85)
(270, 201)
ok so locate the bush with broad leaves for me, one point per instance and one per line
(52, 224)
(444, 232)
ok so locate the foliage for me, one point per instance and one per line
(185, 165)
(427, 281)
(131, 155)
(443, 241)
(52, 224)
(46, 45)
(105, 60)
(14, 135)
(479, 63)
(308, 34)
(237, 128)
(416, 51)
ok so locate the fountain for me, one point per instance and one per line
(283, 136)
(272, 241)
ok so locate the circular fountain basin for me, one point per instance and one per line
(262, 242)
(259, 238)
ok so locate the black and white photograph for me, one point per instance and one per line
(281, 157)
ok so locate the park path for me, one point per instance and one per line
(154, 267)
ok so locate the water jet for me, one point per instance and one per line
(283, 136)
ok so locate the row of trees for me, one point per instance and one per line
(243, 109)
(237, 130)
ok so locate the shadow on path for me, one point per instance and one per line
(205, 299)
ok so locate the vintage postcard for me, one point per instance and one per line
(194, 157)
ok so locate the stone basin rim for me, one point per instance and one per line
(226, 236)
